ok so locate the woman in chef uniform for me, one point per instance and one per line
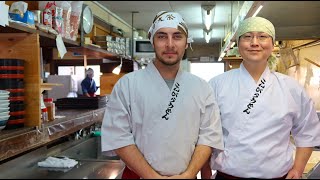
(160, 120)
(260, 108)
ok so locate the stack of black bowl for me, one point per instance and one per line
(11, 79)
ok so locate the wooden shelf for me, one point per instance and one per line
(46, 39)
(232, 58)
(48, 86)
(49, 40)
(94, 51)
(17, 28)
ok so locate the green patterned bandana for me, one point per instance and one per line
(258, 24)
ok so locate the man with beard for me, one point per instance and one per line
(162, 121)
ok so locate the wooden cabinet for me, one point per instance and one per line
(20, 42)
(232, 63)
(26, 46)
(24, 43)
(107, 81)
(29, 44)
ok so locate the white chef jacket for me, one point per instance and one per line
(165, 124)
(257, 121)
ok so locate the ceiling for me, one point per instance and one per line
(292, 19)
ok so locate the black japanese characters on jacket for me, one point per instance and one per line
(258, 92)
(174, 96)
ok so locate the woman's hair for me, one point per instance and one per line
(89, 71)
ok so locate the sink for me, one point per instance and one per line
(96, 166)
(87, 150)
(91, 163)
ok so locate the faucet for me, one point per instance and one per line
(79, 134)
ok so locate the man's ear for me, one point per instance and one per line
(187, 45)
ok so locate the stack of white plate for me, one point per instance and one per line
(4, 108)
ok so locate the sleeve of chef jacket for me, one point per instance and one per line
(94, 86)
(210, 128)
(116, 130)
(84, 85)
(306, 127)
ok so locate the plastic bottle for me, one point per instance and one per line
(51, 108)
(44, 114)
(47, 17)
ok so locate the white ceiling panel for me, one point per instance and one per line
(291, 18)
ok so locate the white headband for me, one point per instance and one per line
(168, 20)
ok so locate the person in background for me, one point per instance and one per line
(262, 113)
(162, 121)
(88, 85)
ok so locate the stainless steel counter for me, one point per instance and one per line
(17, 141)
(314, 172)
(91, 164)
(109, 169)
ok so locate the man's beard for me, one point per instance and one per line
(168, 63)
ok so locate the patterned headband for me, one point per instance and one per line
(258, 24)
(166, 19)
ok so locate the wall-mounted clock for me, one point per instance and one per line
(87, 19)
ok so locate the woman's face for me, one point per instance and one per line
(255, 46)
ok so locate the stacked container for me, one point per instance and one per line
(12, 80)
(4, 108)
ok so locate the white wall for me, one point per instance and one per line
(306, 73)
